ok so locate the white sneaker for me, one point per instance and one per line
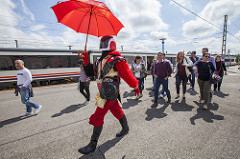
(38, 109)
(137, 97)
(160, 96)
(205, 106)
(26, 114)
(86, 102)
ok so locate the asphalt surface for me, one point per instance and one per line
(180, 129)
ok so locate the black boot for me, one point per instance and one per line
(125, 128)
(93, 143)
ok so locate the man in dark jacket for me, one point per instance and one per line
(162, 71)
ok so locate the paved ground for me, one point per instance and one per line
(177, 130)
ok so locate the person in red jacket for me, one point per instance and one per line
(108, 71)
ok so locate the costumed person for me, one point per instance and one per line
(108, 71)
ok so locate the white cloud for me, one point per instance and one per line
(238, 34)
(138, 15)
(37, 27)
(140, 19)
(143, 27)
(157, 35)
(26, 10)
(7, 13)
(185, 3)
(34, 37)
(213, 12)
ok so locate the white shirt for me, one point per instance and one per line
(137, 67)
(169, 63)
(24, 77)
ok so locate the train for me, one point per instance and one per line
(52, 66)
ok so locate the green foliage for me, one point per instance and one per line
(237, 58)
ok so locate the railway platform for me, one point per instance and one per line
(180, 129)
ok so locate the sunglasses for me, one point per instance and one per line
(207, 56)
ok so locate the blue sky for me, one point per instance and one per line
(34, 25)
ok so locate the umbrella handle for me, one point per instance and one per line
(85, 47)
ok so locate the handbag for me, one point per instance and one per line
(145, 73)
(218, 72)
(190, 67)
(217, 77)
(109, 88)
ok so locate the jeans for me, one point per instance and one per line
(153, 78)
(140, 84)
(24, 92)
(192, 79)
(157, 84)
(205, 87)
(163, 91)
(178, 82)
(85, 86)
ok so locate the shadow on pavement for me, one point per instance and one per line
(151, 91)
(153, 112)
(13, 120)
(102, 149)
(192, 92)
(130, 103)
(69, 109)
(206, 115)
(211, 106)
(128, 94)
(221, 94)
(182, 106)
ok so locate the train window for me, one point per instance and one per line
(39, 62)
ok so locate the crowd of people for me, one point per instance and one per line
(186, 69)
(112, 66)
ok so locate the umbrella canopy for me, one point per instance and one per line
(87, 16)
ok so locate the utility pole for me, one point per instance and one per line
(224, 39)
(163, 44)
(16, 43)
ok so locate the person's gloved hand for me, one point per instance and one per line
(84, 56)
(136, 91)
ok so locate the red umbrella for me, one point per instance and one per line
(87, 16)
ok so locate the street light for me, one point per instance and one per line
(122, 47)
(163, 43)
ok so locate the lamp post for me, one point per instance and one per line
(122, 47)
(70, 47)
(16, 43)
(163, 43)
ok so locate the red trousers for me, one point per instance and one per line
(97, 119)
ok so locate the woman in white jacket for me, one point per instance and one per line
(182, 72)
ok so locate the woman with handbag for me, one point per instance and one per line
(139, 71)
(220, 66)
(182, 72)
(204, 68)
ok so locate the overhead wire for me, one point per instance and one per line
(203, 19)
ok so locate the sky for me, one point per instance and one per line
(34, 25)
